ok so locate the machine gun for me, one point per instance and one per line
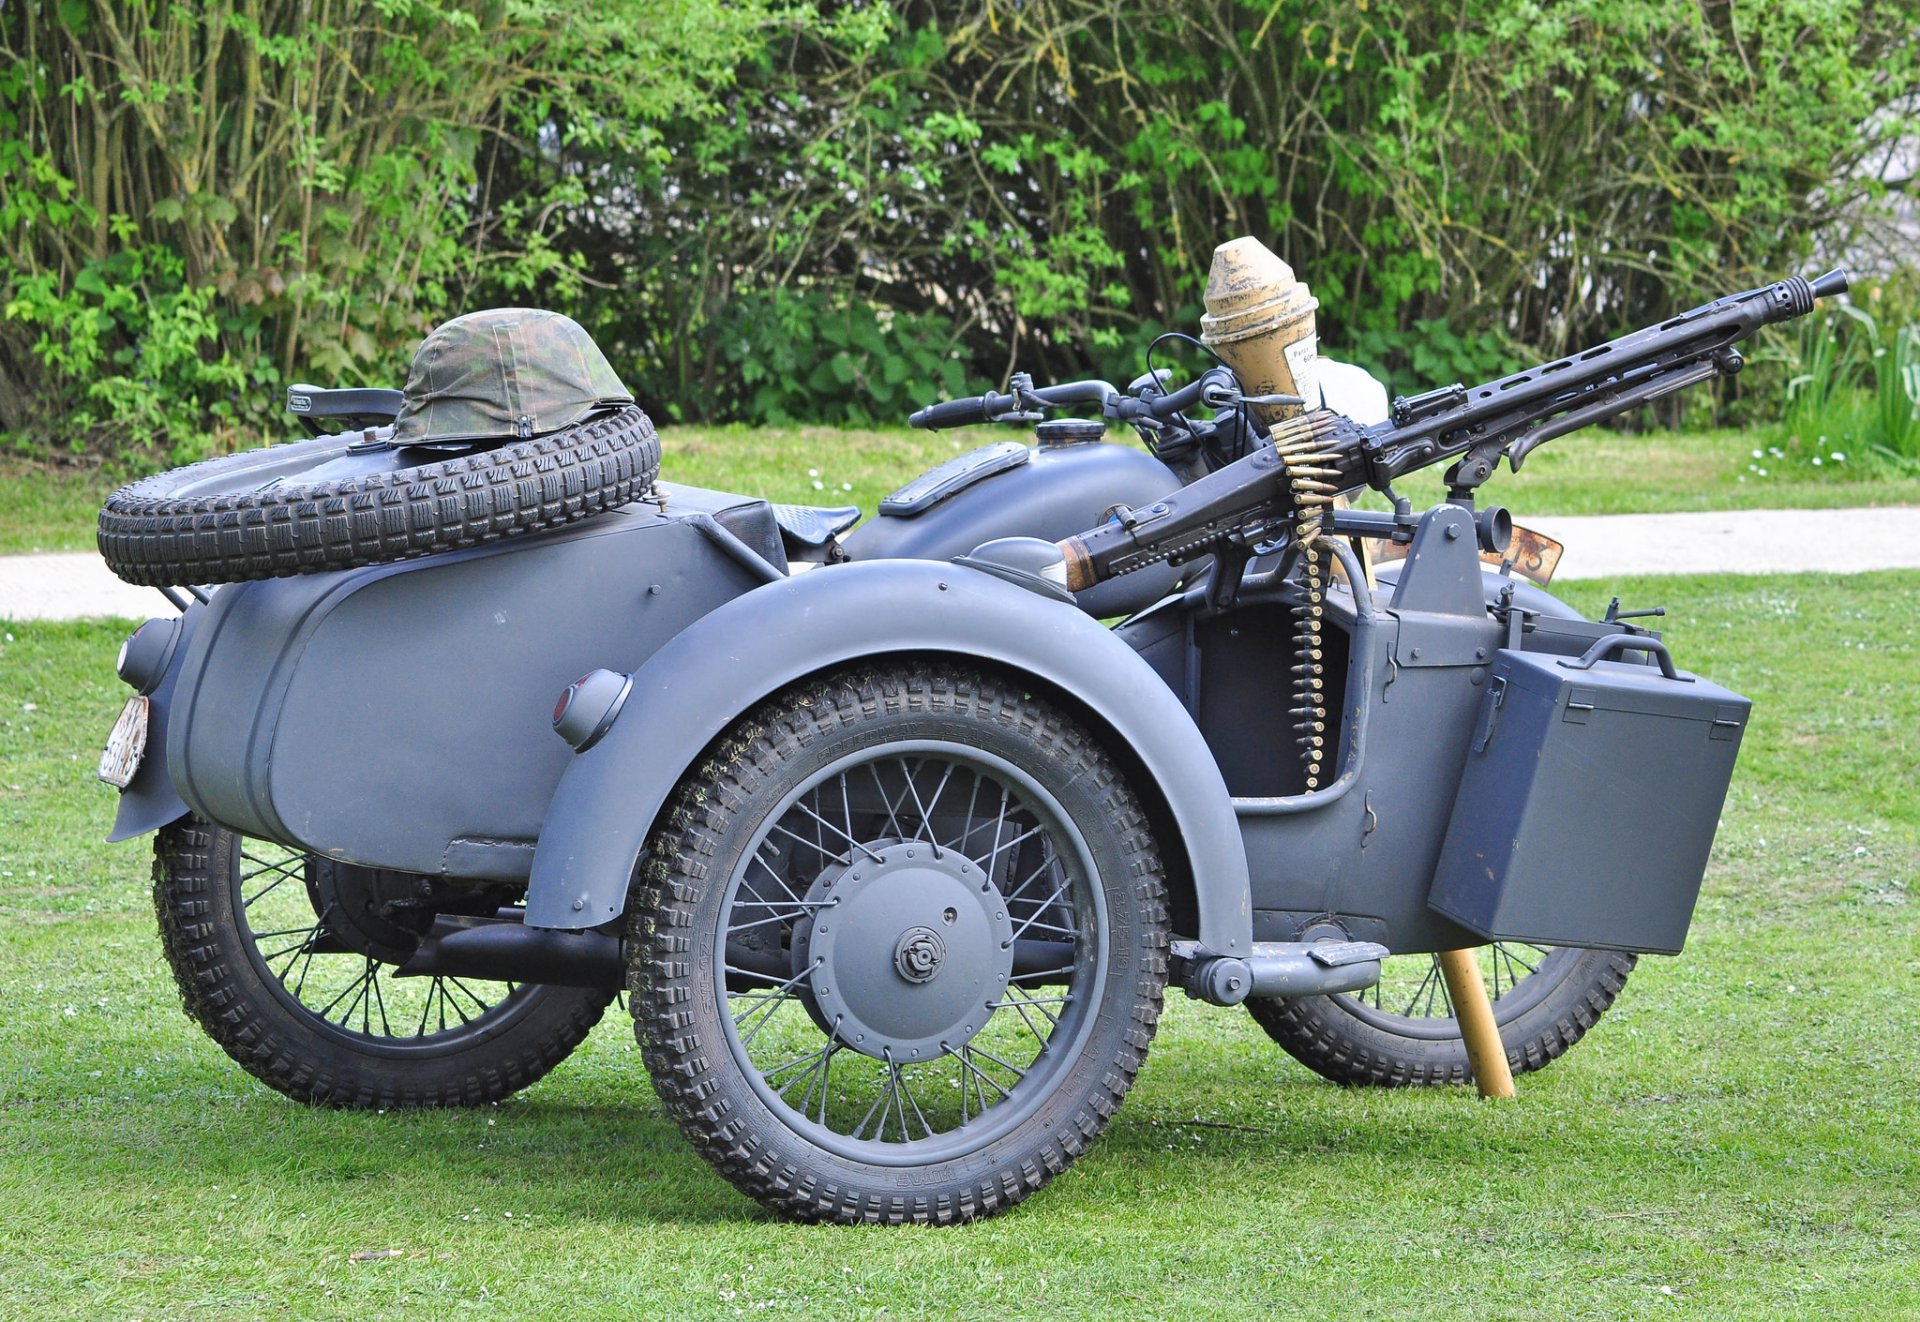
(1284, 491)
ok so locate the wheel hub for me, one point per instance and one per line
(358, 906)
(920, 954)
(910, 950)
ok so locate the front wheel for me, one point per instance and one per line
(899, 951)
(1403, 1033)
(305, 998)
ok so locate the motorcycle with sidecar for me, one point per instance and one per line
(894, 837)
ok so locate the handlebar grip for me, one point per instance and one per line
(951, 413)
(1833, 282)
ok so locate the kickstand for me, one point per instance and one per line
(1485, 1052)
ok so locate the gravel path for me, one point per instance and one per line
(78, 585)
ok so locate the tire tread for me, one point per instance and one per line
(153, 538)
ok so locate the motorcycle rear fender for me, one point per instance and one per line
(692, 689)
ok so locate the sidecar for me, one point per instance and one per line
(994, 823)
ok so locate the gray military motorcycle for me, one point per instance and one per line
(891, 836)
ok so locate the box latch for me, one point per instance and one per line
(1489, 712)
(1727, 722)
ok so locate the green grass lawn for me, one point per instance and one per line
(1593, 472)
(1735, 1140)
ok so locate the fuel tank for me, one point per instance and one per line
(1010, 489)
(399, 716)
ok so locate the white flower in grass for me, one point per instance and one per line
(1837, 457)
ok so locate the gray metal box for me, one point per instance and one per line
(1589, 800)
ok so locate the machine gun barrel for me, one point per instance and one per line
(1516, 414)
(1323, 452)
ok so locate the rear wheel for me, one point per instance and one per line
(307, 1001)
(1403, 1033)
(900, 951)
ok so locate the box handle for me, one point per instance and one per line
(1626, 642)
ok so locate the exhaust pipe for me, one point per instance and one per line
(497, 950)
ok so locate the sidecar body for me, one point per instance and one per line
(399, 717)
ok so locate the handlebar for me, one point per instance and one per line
(1025, 402)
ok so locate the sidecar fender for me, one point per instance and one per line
(150, 801)
(698, 684)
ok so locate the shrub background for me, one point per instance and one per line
(773, 212)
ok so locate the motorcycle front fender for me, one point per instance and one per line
(692, 689)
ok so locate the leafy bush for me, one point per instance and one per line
(809, 356)
(198, 202)
(1855, 392)
(138, 351)
(774, 209)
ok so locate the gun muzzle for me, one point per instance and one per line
(1259, 319)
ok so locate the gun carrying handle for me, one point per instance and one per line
(1626, 642)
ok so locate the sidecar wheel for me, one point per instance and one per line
(1403, 1033)
(326, 1025)
(249, 515)
(899, 951)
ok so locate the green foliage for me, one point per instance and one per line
(1896, 379)
(808, 355)
(708, 183)
(1433, 351)
(273, 190)
(1465, 187)
(1855, 392)
(138, 351)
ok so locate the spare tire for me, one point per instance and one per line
(249, 515)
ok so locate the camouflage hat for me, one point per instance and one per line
(506, 374)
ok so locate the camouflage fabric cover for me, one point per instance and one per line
(504, 374)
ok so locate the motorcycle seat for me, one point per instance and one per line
(813, 526)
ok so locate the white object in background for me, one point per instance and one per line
(1353, 391)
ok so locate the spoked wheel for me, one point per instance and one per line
(900, 952)
(288, 962)
(1403, 1032)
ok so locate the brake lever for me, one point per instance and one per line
(1227, 397)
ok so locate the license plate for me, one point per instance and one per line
(126, 744)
